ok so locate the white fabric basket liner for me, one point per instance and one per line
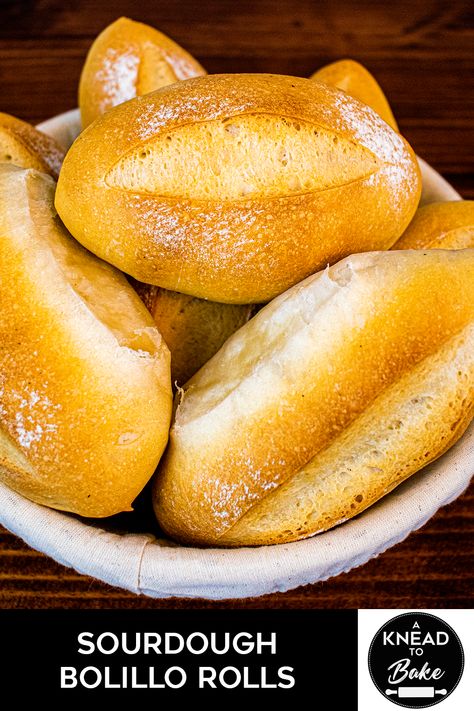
(160, 568)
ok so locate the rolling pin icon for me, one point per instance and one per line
(412, 692)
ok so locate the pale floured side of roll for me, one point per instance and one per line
(293, 379)
(409, 425)
(85, 388)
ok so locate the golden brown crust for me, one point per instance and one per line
(440, 225)
(23, 145)
(250, 249)
(409, 425)
(295, 377)
(193, 329)
(85, 392)
(129, 59)
(357, 81)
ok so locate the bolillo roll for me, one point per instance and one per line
(85, 388)
(329, 397)
(440, 225)
(193, 329)
(26, 147)
(129, 59)
(353, 78)
(233, 188)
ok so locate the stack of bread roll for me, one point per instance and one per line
(252, 243)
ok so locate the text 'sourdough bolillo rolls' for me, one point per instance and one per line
(328, 398)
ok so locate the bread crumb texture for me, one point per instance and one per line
(247, 156)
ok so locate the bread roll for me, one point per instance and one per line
(414, 421)
(25, 146)
(193, 329)
(333, 392)
(129, 59)
(440, 225)
(85, 391)
(356, 80)
(234, 187)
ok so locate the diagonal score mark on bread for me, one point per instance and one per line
(406, 427)
(440, 225)
(244, 156)
(457, 238)
(129, 59)
(461, 238)
(298, 375)
(85, 392)
(24, 146)
(92, 281)
(261, 218)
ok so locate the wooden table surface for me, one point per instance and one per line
(421, 51)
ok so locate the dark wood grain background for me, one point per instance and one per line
(422, 52)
